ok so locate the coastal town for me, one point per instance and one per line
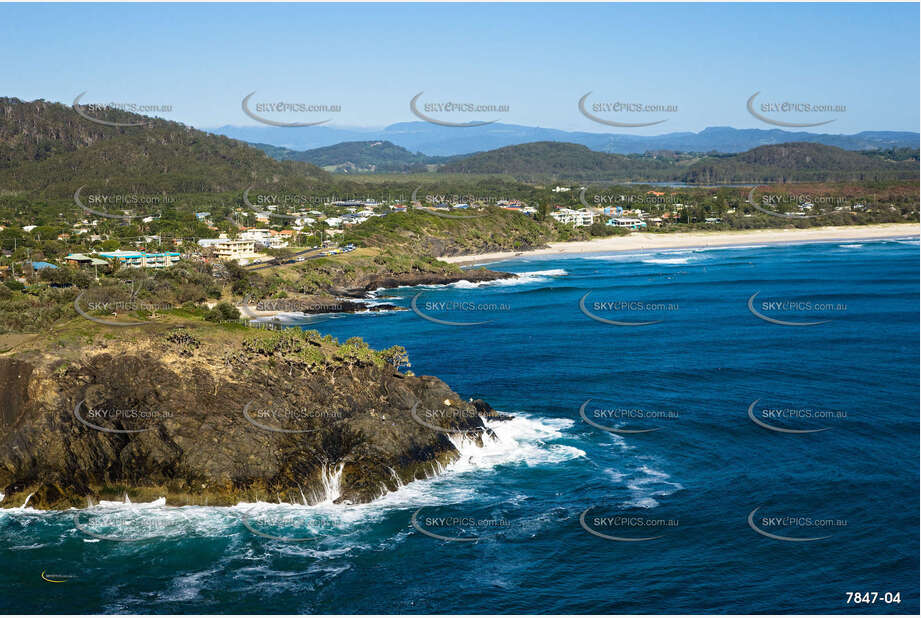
(255, 236)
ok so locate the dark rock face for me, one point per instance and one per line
(216, 426)
(359, 286)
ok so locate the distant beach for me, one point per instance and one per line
(637, 241)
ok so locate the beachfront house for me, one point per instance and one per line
(142, 259)
(626, 222)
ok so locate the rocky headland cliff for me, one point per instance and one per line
(206, 414)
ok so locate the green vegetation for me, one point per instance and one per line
(793, 162)
(372, 156)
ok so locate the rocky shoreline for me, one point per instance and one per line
(211, 416)
(346, 294)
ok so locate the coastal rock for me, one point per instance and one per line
(372, 281)
(204, 416)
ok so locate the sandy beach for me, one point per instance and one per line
(637, 241)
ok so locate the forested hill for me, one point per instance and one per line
(49, 149)
(801, 161)
(778, 163)
(561, 160)
(367, 156)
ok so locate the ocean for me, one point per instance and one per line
(695, 431)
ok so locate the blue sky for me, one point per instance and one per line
(538, 59)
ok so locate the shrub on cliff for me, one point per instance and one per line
(223, 312)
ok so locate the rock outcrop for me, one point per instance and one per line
(217, 415)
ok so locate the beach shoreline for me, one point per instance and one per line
(638, 241)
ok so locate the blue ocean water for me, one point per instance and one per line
(726, 504)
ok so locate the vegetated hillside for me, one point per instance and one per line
(367, 156)
(49, 149)
(418, 232)
(36, 130)
(799, 161)
(560, 160)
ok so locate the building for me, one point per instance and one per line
(79, 259)
(240, 251)
(577, 218)
(142, 259)
(626, 222)
(264, 238)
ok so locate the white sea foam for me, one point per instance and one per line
(646, 484)
(535, 276)
(852, 246)
(681, 260)
(523, 440)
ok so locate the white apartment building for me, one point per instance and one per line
(240, 251)
(577, 218)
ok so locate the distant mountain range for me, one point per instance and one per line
(435, 140)
(369, 156)
(542, 161)
(792, 162)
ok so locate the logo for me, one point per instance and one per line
(787, 306)
(157, 521)
(435, 212)
(445, 413)
(623, 107)
(790, 413)
(463, 306)
(621, 413)
(55, 578)
(120, 415)
(786, 522)
(79, 109)
(131, 200)
(787, 107)
(623, 522)
(451, 107)
(285, 107)
(245, 519)
(621, 305)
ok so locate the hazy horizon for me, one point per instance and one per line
(371, 60)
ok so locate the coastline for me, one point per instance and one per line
(638, 241)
